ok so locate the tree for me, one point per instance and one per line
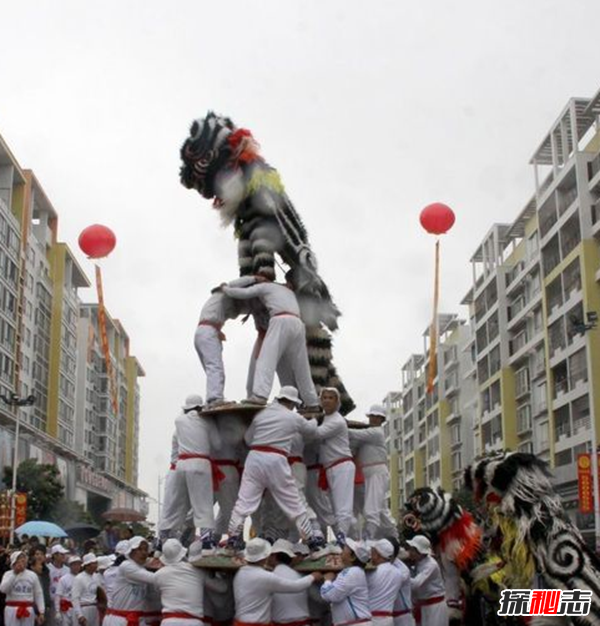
(41, 483)
(68, 512)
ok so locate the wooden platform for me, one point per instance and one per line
(329, 563)
(235, 408)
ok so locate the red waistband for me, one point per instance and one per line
(214, 325)
(429, 601)
(217, 474)
(22, 607)
(18, 603)
(65, 605)
(399, 613)
(299, 622)
(285, 313)
(295, 459)
(182, 615)
(173, 466)
(339, 462)
(269, 449)
(383, 613)
(132, 617)
(323, 482)
(184, 456)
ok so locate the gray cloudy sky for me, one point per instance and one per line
(370, 110)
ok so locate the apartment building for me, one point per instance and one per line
(393, 439)
(430, 441)
(533, 306)
(40, 353)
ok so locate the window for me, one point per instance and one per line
(456, 461)
(526, 448)
(522, 381)
(524, 418)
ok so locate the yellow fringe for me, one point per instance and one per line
(520, 565)
(265, 178)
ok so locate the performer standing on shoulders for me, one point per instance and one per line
(285, 339)
(23, 592)
(338, 471)
(428, 592)
(348, 592)
(372, 459)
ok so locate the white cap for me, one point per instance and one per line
(288, 393)
(377, 410)
(421, 544)
(283, 546)
(122, 547)
(89, 559)
(384, 548)
(193, 401)
(172, 552)
(15, 555)
(302, 549)
(402, 553)
(256, 550)
(135, 543)
(361, 551)
(58, 549)
(104, 562)
(74, 559)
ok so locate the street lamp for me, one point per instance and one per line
(14, 400)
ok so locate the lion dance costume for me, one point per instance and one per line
(533, 533)
(222, 162)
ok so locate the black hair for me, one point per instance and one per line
(280, 557)
(395, 544)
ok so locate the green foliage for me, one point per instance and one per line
(41, 483)
(67, 512)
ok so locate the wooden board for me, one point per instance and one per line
(355, 424)
(236, 408)
(220, 562)
(329, 563)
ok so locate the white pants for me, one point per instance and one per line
(199, 491)
(383, 621)
(285, 338)
(404, 620)
(319, 500)
(300, 476)
(226, 496)
(91, 615)
(175, 501)
(210, 350)
(270, 471)
(378, 518)
(10, 616)
(284, 370)
(434, 614)
(341, 490)
(180, 621)
(66, 618)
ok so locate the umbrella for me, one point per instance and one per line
(41, 529)
(123, 515)
(81, 532)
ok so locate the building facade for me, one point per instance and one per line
(41, 354)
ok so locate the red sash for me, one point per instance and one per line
(22, 608)
(132, 617)
(425, 602)
(383, 613)
(65, 605)
(291, 461)
(216, 326)
(300, 622)
(217, 474)
(323, 483)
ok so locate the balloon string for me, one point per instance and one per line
(104, 341)
(433, 331)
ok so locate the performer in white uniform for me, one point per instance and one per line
(403, 608)
(175, 494)
(254, 586)
(209, 337)
(372, 459)
(285, 338)
(196, 436)
(384, 583)
(57, 568)
(181, 587)
(84, 594)
(287, 608)
(427, 585)
(348, 592)
(338, 472)
(63, 605)
(110, 575)
(269, 437)
(23, 591)
(127, 601)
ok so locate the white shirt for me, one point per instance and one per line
(174, 449)
(253, 589)
(219, 307)
(427, 581)
(289, 607)
(404, 598)
(370, 443)
(384, 584)
(275, 427)
(277, 298)
(84, 591)
(333, 435)
(23, 587)
(195, 435)
(110, 576)
(63, 590)
(130, 587)
(56, 573)
(297, 445)
(348, 595)
(181, 588)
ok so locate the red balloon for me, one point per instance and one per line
(437, 218)
(97, 241)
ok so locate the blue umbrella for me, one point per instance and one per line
(41, 529)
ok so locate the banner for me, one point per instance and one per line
(585, 483)
(104, 341)
(20, 509)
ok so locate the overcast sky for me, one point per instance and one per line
(370, 111)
